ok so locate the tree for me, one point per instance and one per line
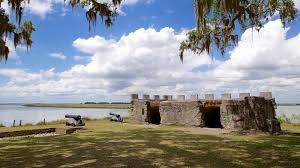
(217, 21)
(21, 32)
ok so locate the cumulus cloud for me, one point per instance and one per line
(147, 61)
(4, 5)
(297, 3)
(44, 7)
(58, 56)
(79, 58)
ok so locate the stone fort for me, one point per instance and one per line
(244, 113)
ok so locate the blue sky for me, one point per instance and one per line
(139, 54)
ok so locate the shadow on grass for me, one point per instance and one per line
(141, 147)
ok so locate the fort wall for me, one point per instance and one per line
(246, 112)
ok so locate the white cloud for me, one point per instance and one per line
(58, 56)
(44, 7)
(297, 4)
(4, 5)
(79, 58)
(146, 61)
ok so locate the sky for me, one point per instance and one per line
(139, 54)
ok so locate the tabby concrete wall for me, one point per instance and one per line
(246, 112)
(180, 112)
(139, 111)
(251, 113)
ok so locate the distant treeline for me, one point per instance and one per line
(106, 103)
(288, 104)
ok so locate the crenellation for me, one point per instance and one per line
(165, 97)
(266, 95)
(226, 96)
(194, 97)
(181, 98)
(156, 97)
(247, 112)
(242, 96)
(146, 97)
(134, 96)
(209, 96)
(169, 97)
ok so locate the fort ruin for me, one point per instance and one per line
(243, 113)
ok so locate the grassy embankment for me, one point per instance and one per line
(106, 144)
(104, 106)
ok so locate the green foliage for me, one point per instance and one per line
(1, 125)
(21, 32)
(284, 119)
(106, 11)
(294, 119)
(216, 21)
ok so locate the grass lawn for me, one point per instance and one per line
(105, 106)
(106, 144)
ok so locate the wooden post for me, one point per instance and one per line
(44, 121)
(14, 123)
(20, 123)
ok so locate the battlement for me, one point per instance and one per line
(210, 111)
(195, 97)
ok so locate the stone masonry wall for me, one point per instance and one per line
(186, 113)
(139, 111)
(246, 112)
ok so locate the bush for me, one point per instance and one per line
(283, 119)
(1, 125)
(294, 119)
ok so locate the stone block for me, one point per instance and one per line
(226, 96)
(169, 97)
(156, 97)
(209, 96)
(165, 97)
(194, 97)
(243, 95)
(181, 97)
(146, 97)
(134, 96)
(266, 95)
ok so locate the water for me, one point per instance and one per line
(33, 115)
(288, 110)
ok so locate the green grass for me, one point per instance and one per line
(290, 127)
(104, 106)
(106, 144)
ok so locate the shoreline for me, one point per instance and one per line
(99, 106)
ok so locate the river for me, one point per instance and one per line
(33, 115)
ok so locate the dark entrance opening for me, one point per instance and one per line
(212, 117)
(154, 113)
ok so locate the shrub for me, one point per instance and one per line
(294, 119)
(284, 119)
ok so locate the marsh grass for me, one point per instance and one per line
(294, 119)
(108, 144)
(52, 122)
